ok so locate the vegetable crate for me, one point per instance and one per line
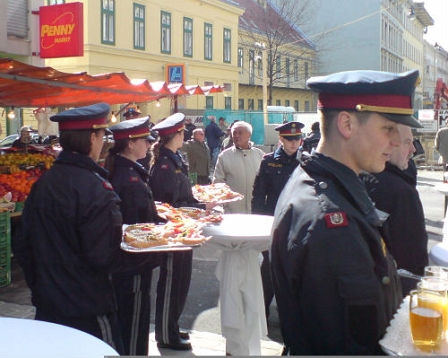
(5, 249)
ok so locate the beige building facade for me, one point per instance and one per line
(144, 38)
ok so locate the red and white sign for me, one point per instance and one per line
(61, 30)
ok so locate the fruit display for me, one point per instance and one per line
(19, 171)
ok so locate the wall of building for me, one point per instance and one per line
(347, 35)
(150, 63)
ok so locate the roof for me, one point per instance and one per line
(266, 20)
(23, 85)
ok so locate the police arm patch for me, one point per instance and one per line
(336, 219)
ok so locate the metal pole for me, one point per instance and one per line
(265, 85)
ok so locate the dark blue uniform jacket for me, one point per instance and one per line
(275, 170)
(169, 180)
(335, 283)
(70, 243)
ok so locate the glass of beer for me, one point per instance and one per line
(438, 286)
(425, 320)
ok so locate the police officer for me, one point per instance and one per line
(169, 171)
(129, 178)
(335, 283)
(275, 170)
(170, 184)
(72, 231)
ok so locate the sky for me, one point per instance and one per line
(438, 9)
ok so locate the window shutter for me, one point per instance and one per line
(17, 24)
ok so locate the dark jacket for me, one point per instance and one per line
(198, 155)
(213, 135)
(311, 140)
(130, 181)
(70, 243)
(394, 191)
(275, 170)
(169, 180)
(335, 284)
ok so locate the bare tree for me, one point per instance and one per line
(280, 25)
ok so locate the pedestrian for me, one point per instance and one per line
(133, 288)
(213, 136)
(132, 111)
(189, 128)
(228, 141)
(394, 191)
(223, 126)
(198, 155)
(335, 282)
(275, 170)
(441, 145)
(72, 231)
(237, 166)
(312, 139)
(24, 138)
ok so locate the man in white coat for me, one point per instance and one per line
(237, 166)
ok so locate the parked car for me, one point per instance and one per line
(7, 141)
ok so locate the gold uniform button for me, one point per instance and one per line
(385, 280)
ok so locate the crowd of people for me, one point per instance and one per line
(332, 264)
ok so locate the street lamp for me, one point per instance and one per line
(262, 47)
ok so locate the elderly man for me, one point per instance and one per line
(238, 165)
(394, 191)
(198, 155)
(335, 282)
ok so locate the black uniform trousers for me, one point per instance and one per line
(105, 327)
(133, 294)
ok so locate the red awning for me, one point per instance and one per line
(23, 85)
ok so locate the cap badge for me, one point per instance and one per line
(293, 130)
(335, 220)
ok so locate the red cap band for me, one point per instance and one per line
(344, 101)
(93, 123)
(132, 133)
(171, 130)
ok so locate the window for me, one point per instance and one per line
(287, 68)
(260, 104)
(55, 2)
(296, 70)
(165, 33)
(296, 105)
(227, 40)
(278, 102)
(208, 43)
(188, 37)
(307, 106)
(108, 22)
(279, 66)
(139, 27)
(260, 64)
(286, 102)
(251, 68)
(240, 57)
(241, 104)
(209, 102)
(306, 71)
(250, 104)
(228, 102)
